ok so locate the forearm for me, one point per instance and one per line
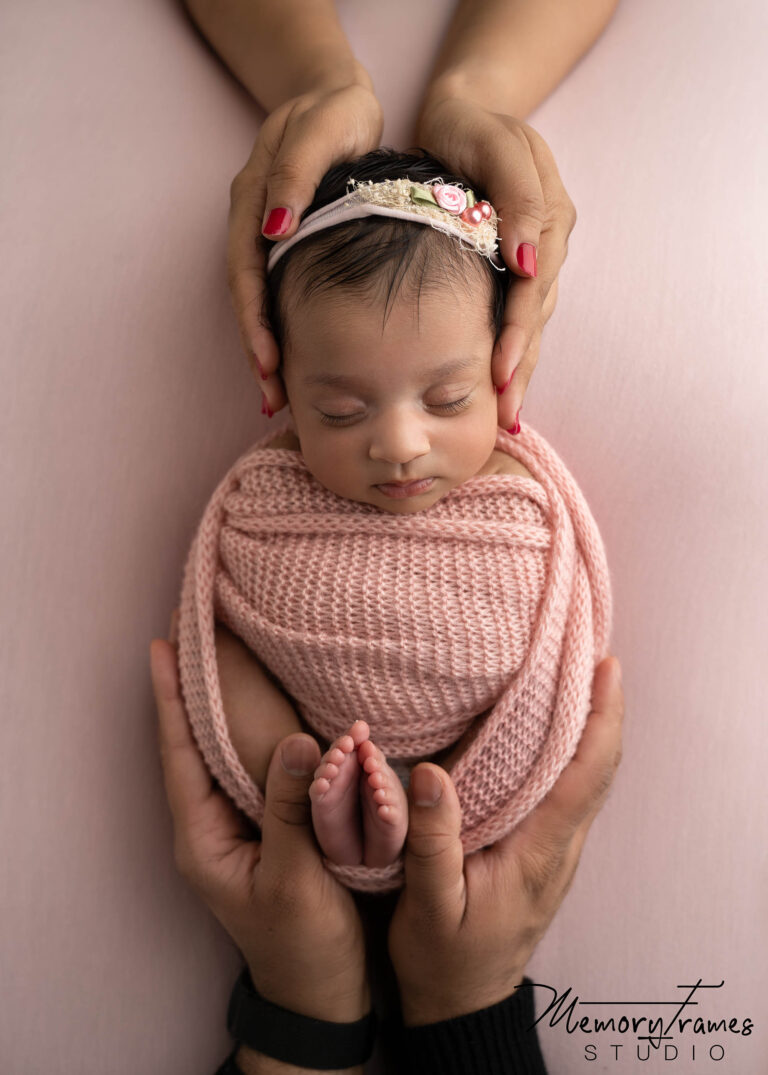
(251, 1063)
(508, 55)
(279, 49)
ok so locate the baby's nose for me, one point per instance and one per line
(398, 442)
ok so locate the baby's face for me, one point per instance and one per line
(410, 400)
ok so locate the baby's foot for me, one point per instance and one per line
(384, 807)
(336, 799)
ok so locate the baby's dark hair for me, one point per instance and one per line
(378, 255)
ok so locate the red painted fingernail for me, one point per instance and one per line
(278, 221)
(516, 427)
(261, 371)
(501, 391)
(265, 407)
(526, 258)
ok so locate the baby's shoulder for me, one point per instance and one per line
(288, 440)
(502, 463)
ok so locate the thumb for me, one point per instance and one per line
(434, 856)
(287, 837)
(519, 203)
(307, 150)
(520, 233)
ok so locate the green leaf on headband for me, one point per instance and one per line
(422, 196)
(471, 199)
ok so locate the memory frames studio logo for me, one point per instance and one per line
(628, 1034)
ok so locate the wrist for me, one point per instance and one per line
(282, 1040)
(326, 1002)
(333, 74)
(422, 1007)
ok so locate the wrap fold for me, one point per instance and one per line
(494, 603)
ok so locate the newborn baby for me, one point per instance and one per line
(385, 555)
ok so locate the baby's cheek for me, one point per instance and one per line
(333, 464)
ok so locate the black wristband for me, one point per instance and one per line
(296, 1039)
(495, 1041)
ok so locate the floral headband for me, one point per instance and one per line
(445, 206)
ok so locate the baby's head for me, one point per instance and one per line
(386, 330)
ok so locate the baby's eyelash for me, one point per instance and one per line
(336, 419)
(453, 407)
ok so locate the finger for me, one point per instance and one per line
(527, 301)
(515, 385)
(273, 394)
(188, 783)
(507, 405)
(311, 143)
(581, 788)
(271, 193)
(527, 310)
(434, 856)
(288, 841)
(294, 175)
(515, 191)
(246, 268)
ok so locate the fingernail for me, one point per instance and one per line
(516, 427)
(265, 407)
(278, 221)
(427, 789)
(298, 757)
(526, 258)
(501, 391)
(258, 364)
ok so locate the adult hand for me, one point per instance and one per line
(297, 927)
(516, 170)
(464, 929)
(297, 144)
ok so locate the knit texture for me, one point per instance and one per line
(496, 600)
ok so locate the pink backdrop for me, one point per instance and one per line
(125, 397)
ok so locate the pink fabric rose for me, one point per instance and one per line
(451, 198)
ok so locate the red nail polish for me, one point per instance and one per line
(258, 364)
(265, 407)
(516, 427)
(526, 258)
(278, 221)
(509, 382)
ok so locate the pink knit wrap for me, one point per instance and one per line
(495, 598)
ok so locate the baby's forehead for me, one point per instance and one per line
(369, 373)
(337, 332)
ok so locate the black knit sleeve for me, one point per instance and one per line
(500, 1040)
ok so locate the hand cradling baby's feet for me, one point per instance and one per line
(359, 806)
